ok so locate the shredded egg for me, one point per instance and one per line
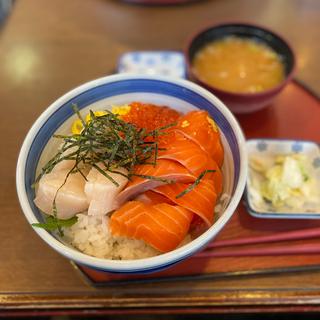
(185, 124)
(77, 127)
(213, 124)
(96, 113)
(121, 110)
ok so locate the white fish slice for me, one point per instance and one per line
(64, 165)
(101, 192)
(70, 199)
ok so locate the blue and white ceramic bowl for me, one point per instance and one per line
(120, 89)
(266, 150)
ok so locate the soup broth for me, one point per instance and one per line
(239, 65)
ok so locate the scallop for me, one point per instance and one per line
(101, 191)
(68, 190)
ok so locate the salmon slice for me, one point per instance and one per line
(199, 127)
(168, 171)
(163, 226)
(216, 177)
(186, 152)
(151, 197)
(201, 200)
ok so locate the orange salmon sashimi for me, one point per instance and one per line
(186, 152)
(163, 226)
(216, 177)
(201, 200)
(165, 171)
(151, 197)
(201, 128)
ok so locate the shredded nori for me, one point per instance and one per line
(192, 186)
(107, 140)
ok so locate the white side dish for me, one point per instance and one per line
(284, 179)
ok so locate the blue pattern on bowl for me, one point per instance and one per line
(297, 146)
(262, 146)
(316, 163)
(136, 57)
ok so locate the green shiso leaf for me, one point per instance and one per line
(53, 223)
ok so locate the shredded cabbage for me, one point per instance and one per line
(286, 181)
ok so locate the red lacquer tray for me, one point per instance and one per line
(294, 115)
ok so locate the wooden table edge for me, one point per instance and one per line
(241, 299)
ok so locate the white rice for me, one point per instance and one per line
(91, 235)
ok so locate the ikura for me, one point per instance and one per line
(150, 116)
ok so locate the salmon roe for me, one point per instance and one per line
(150, 116)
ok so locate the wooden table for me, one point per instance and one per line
(49, 47)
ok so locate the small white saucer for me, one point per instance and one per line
(166, 63)
(268, 148)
